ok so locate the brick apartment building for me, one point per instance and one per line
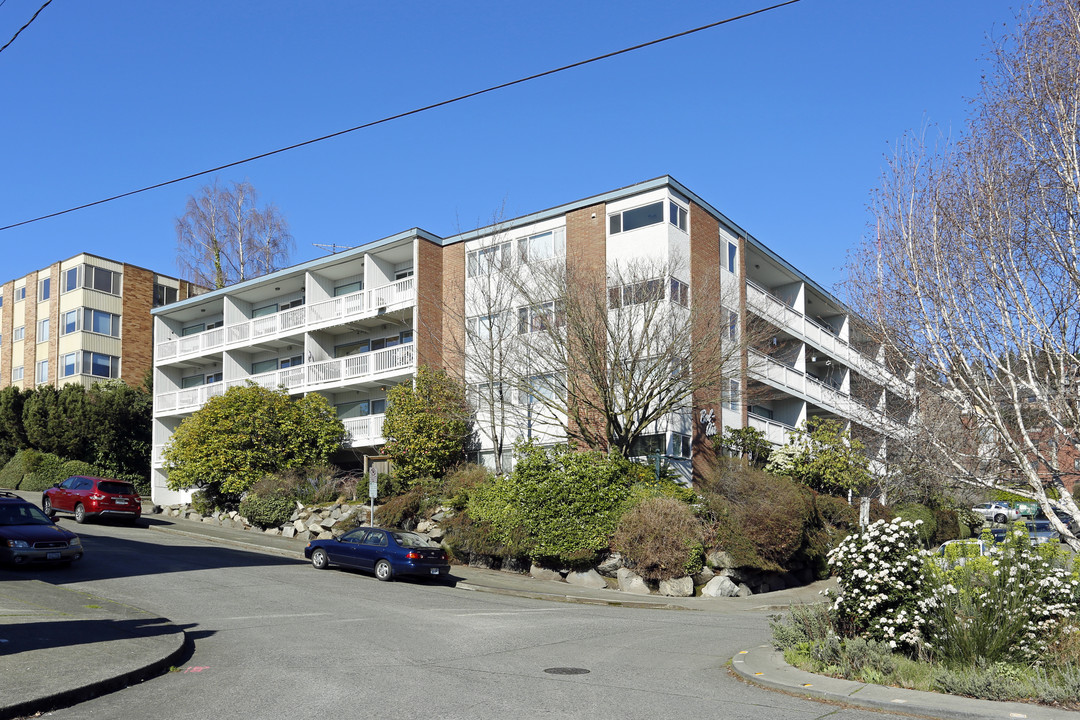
(353, 324)
(81, 320)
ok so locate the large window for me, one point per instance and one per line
(486, 329)
(44, 289)
(92, 278)
(542, 246)
(637, 218)
(18, 334)
(732, 256)
(538, 318)
(90, 320)
(164, 295)
(487, 260)
(647, 291)
(90, 363)
(43, 372)
(348, 288)
(645, 445)
(543, 387)
(43, 330)
(20, 293)
(16, 374)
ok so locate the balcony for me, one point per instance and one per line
(764, 368)
(782, 315)
(775, 432)
(324, 375)
(364, 431)
(335, 311)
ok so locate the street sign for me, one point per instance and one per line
(373, 483)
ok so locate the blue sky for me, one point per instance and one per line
(782, 121)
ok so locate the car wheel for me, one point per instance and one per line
(383, 571)
(80, 514)
(46, 505)
(319, 559)
(999, 518)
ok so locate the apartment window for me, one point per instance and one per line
(69, 322)
(680, 445)
(69, 364)
(43, 330)
(101, 365)
(1, 300)
(44, 288)
(192, 381)
(402, 274)
(43, 372)
(17, 374)
(264, 310)
(547, 387)
(636, 293)
(102, 323)
(20, 293)
(485, 328)
(487, 260)
(18, 334)
(732, 256)
(651, 444)
(677, 215)
(543, 246)
(298, 302)
(102, 280)
(637, 218)
(680, 292)
(536, 318)
(733, 395)
(733, 325)
(349, 288)
(71, 278)
(164, 295)
(761, 411)
(263, 366)
(293, 361)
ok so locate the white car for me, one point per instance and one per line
(998, 512)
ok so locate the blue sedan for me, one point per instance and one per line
(384, 552)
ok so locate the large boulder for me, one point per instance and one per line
(609, 566)
(720, 586)
(589, 579)
(631, 582)
(543, 573)
(719, 559)
(677, 587)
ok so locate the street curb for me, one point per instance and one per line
(575, 599)
(182, 648)
(254, 547)
(765, 666)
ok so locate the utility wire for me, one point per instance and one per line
(389, 118)
(2, 49)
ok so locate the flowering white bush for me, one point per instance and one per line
(881, 583)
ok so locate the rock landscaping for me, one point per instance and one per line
(720, 577)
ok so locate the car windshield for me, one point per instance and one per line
(22, 515)
(116, 488)
(412, 540)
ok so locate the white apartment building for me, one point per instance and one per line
(353, 324)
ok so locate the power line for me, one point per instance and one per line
(398, 116)
(2, 49)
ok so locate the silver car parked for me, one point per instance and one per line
(998, 512)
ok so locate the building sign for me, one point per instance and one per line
(708, 422)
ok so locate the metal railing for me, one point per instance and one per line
(365, 303)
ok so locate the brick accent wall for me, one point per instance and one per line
(704, 280)
(7, 311)
(453, 316)
(429, 304)
(136, 326)
(586, 257)
(54, 323)
(29, 361)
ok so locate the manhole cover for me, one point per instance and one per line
(566, 671)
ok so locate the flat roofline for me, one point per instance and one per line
(98, 257)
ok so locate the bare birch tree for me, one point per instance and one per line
(974, 273)
(607, 361)
(224, 237)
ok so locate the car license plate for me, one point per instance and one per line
(121, 501)
(434, 571)
(52, 556)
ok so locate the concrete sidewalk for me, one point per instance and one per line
(59, 647)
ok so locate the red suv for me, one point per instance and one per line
(85, 496)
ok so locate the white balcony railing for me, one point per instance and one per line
(767, 369)
(775, 432)
(326, 374)
(366, 303)
(767, 305)
(364, 431)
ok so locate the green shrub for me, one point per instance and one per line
(79, 467)
(310, 484)
(914, 511)
(661, 538)
(401, 511)
(12, 473)
(466, 536)
(459, 484)
(836, 512)
(202, 502)
(760, 519)
(48, 471)
(948, 526)
(558, 506)
(267, 511)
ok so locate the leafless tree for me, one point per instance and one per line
(973, 274)
(224, 237)
(607, 360)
